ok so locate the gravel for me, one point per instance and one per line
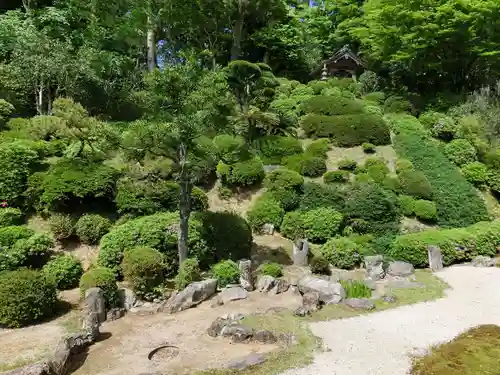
(381, 343)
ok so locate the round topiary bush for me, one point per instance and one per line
(9, 235)
(271, 269)
(403, 165)
(229, 148)
(476, 173)
(143, 270)
(341, 252)
(283, 178)
(104, 278)
(425, 210)
(26, 297)
(31, 252)
(415, 183)
(10, 216)
(274, 148)
(226, 272)
(90, 228)
(318, 148)
(332, 177)
(368, 148)
(321, 224)
(306, 165)
(320, 266)
(347, 165)
(189, 272)
(62, 226)
(293, 225)
(65, 271)
(460, 151)
(288, 199)
(378, 172)
(407, 204)
(321, 195)
(265, 210)
(246, 173)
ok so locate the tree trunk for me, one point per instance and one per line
(184, 205)
(39, 99)
(151, 45)
(49, 102)
(238, 32)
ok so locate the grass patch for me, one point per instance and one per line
(302, 354)
(22, 362)
(474, 352)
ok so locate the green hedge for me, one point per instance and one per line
(265, 210)
(331, 105)
(318, 195)
(103, 278)
(306, 165)
(10, 235)
(332, 177)
(457, 244)
(143, 270)
(458, 203)
(10, 216)
(348, 130)
(90, 228)
(64, 270)
(245, 173)
(273, 148)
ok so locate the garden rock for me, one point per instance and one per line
(91, 325)
(247, 361)
(370, 284)
(191, 296)
(36, 369)
(265, 337)
(246, 277)
(266, 283)
(310, 304)
(400, 268)
(375, 267)
(231, 293)
(300, 252)
(435, 258)
(127, 298)
(237, 332)
(404, 284)
(389, 299)
(115, 313)
(280, 286)
(329, 292)
(268, 229)
(70, 345)
(483, 261)
(360, 303)
(95, 303)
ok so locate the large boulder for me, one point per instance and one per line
(374, 265)
(280, 286)
(194, 294)
(483, 261)
(95, 303)
(231, 293)
(127, 298)
(310, 304)
(329, 292)
(360, 303)
(266, 283)
(400, 268)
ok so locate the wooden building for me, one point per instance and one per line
(343, 63)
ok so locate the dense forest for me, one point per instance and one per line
(120, 120)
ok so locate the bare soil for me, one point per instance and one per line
(356, 153)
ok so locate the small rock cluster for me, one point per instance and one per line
(484, 261)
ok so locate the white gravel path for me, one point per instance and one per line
(379, 343)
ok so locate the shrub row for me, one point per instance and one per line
(458, 203)
(317, 225)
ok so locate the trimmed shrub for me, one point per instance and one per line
(104, 278)
(377, 172)
(246, 173)
(364, 178)
(271, 269)
(407, 204)
(440, 125)
(26, 297)
(31, 252)
(318, 148)
(64, 270)
(376, 97)
(159, 232)
(10, 216)
(341, 252)
(320, 266)
(288, 199)
(189, 272)
(425, 210)
(143, 270)
(403, 165)
(356, 289)
(226, 272)
(460, 151)
(62, 226)
(317, 86)
(369, 148)
(321, 224)
(90, 228)
(392, 183)
(229, 148)
(332, 177)
(283, 178)
(457, 244)
(306, 165)
(476, 173)
(456, 199)
(331, 106)
(273, 148)
(397, 104)
(9, 235)
(265, 210)
(293, 225)
(415, 183)
(347, 165)
(348, 130)
(318, 196)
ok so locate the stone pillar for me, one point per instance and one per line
(435, 258)
(95, 303)
(300, 252)
(246, 277)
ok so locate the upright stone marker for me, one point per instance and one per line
(435, 258)
(300, 252)
(246, 277)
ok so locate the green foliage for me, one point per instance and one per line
(456, 200)
(320, 266)
(415, 183)
(274, 148)
(317, 86)
(293, 225)
(306, 165)
(460, 151)
(226, 272)
(229, 148)
(31, 252)
(331, 106)
(407, 204)
(377, 172)
(403, 165)
(271, 269)
(189, 272)
(318, 195)
(6, 109)
(425, 210)
(341, 252)
(321, 224)
(397, 104)
(318, 148)
(347, 164)
(103, 278)
(265, 210)
(457, 244)
(64, 270)
(289, 199)
(476, 173)
(26, 297)
(10, 216)
(377, 97)
(356, 289)
(368, 148)
(143, 270)
(10, 235)
(332, 177)
(283, 178)
(246, 173)
(440, 125)
(347, 130)
(62, 226)
(90, 228)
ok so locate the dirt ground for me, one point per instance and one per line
(131, 338)
(356, 153)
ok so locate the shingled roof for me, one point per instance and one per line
(343, 53)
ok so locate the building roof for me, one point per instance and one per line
(343, 53)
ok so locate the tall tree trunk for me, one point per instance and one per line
(39, 99)
(184, 205)
(49, 102)
(238, 31)
(151, 45)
